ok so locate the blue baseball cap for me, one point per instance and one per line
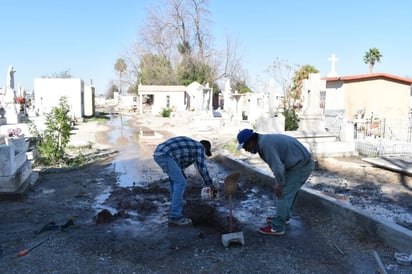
(243, 136)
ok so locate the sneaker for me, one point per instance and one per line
(270, 218)
(270, 231)
(180, 222)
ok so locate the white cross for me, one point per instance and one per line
(332, 72)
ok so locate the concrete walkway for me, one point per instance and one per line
(398, 164)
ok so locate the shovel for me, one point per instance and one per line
(230, 186)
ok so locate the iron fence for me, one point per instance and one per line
(378, 138)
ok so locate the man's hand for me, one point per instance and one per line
(215, 191)
(279, 190)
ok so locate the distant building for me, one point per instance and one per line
(48, 91)
(194, 97)
(371, 95)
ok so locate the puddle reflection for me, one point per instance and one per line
(125, 164)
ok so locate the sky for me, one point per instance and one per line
(86, 37)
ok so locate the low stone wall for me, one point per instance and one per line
(390, 233)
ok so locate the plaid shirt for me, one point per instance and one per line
(186, 151)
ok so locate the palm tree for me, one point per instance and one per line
(300, 75)
(121, 67)
(371, 57)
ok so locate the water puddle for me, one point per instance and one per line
(124, 138)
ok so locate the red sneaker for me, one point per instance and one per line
(270, 231)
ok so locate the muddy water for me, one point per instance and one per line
(124, 137)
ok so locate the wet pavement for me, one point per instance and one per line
(124, 138)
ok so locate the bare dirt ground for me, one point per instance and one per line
(96, 226)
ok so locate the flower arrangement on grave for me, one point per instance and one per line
(20, 100)
(13, 132)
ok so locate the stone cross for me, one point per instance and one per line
(333, 72)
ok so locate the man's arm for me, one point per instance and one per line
(202, 168)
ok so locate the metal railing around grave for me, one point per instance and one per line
(378, 138)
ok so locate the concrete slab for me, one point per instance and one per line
(398, 164)
(22, 190)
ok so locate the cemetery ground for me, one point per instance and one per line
(87, 223)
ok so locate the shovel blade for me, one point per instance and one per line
(230, 183)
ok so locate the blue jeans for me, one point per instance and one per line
(295, 179)
(177, 184)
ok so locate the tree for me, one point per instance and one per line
(290, 79)
(110, 92)
(156, 70)
(176, 31)
(371, 57)
(64, 74)
(120, 67)
(301, 74)
(241, 87)
(282, 73)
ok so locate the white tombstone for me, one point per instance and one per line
(228, 106)
(232, 103)
(272, 98)
(271, 120)
(12, 109)
(312, 118)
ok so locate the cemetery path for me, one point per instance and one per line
(101, 227)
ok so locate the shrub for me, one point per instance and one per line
(291, 120)
(166, 112)
(56, 136)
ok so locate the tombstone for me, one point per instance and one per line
(312, 118)
(16, 174)
(3, 119)
(88, 97)
(272, 121)
(227, 103)
(232, 102)
(12, 109)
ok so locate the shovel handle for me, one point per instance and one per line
(27, 250)
(23, 252)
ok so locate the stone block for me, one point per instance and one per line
(13, 182)
(270, 124)
(10, 162)
(233, 238)
(7, 166)
(18, 142)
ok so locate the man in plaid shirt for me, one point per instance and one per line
(173, 156)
